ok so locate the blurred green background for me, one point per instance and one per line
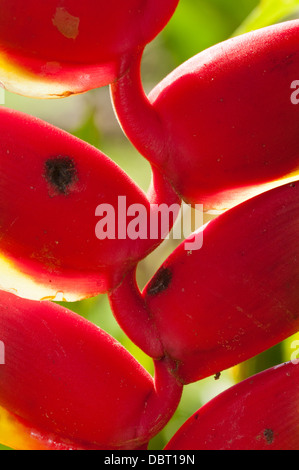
(196, 25)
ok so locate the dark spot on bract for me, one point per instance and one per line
(61, 173)
(217, 376)
(160, 282)
(269, 436)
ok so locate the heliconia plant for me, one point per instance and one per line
(213, 126)
(213, 135)
(54, 183)
(260, 413)
(54, 49)
(207, 305)
(89, 392)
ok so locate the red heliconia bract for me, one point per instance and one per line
(51, 185)
(55, 48)
(222, 126)
(71, 384)
(260, 413)
(217, 306)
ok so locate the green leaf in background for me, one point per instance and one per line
(269, 12)
(197, 25)
(4, 447)
(89, 131)
(291, 348)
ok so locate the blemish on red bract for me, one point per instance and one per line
(67, 24)
(61, 173)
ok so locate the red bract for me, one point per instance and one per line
(260, 413)
(73, 384)
(51, 185)
(235, 297)
(53, 48)
(222, 125)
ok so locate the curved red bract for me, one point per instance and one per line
(67, 378)
(222, 126)
(260, 413)
(70, 47)
(51, 184)
(238, 295)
